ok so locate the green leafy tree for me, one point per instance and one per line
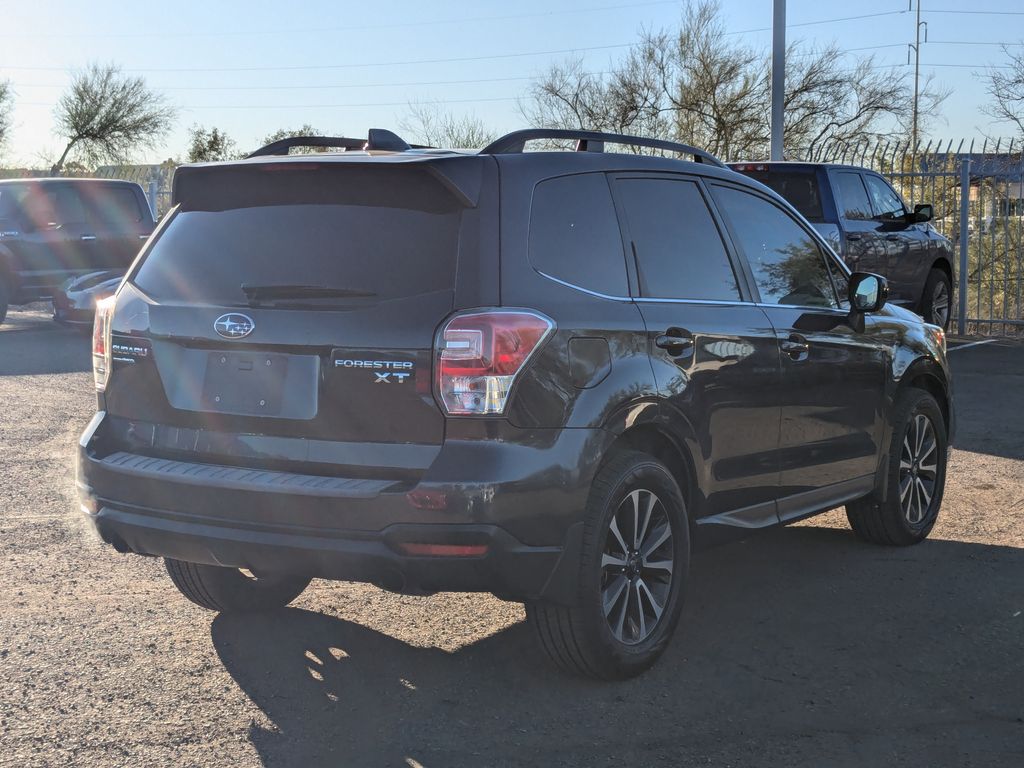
(209, 145)
(105, 116)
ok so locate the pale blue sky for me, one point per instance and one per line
(252, 67)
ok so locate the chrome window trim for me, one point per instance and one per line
(718, 302)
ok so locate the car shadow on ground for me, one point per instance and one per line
(801, 642)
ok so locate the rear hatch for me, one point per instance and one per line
(291, 300)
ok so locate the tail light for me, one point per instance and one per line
(101, 342)
(479, 355)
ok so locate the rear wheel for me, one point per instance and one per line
(636, 552)
(5, 298)
(917, 476)
(937, 302)
(231, 590)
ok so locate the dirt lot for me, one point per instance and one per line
(799, 647)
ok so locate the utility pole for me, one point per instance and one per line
(778, 76)
(916, 48)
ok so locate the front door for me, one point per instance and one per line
(833, 376)
(714, 353)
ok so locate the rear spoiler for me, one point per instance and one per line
(216, 186)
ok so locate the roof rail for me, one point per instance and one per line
(281, 146)
(592, 141)
(378, 138)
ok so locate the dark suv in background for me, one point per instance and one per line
(867, 223)
(537, 374)
(55, 229)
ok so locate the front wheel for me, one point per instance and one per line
(936, 302)
(634, 563)
(916, 476)
(5, 298)
(230, 590)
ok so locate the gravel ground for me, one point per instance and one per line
(800, 646)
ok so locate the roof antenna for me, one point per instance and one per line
(379, 138)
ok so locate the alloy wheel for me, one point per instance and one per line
(940, 304)
(919, 465)
(636, 567)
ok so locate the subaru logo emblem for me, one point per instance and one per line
(234, 325)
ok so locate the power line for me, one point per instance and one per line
(301, 67)
(980, 13)
(317, 106)
(822, 21)
(346, 28)
(332, 86)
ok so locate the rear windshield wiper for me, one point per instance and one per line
(259, 293)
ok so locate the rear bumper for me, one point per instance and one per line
(519, 536)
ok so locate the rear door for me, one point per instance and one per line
(120, 221)
(865, 250)
(833, 375)
(297, 299)
(715, 355)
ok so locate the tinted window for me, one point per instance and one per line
(798, 188)
(574, 234)
(853, 199)
(114, 206)
(884, 200)
(787, 264)
(679, 250)
(37, 206)
(374, 239)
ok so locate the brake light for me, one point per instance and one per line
(101, 342)
(479, 355)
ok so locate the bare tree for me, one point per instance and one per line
(6, 107)
(106, 116)
(1006, 87)
(698, 85)
(209, 145)
(426, 124)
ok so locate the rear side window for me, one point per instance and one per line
(853, 198)
(379, 233)
(679, 250)
(798, 188)
(574, 234)
(787, 264)
(113, 206)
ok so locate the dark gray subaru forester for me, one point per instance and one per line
(539, 374)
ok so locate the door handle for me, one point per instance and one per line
(675, 341)
(853, 237)
(143, 237)
(892, 237)
(88, 237)
(795, 346)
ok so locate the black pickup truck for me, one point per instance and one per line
(55, 229)
(870, 226)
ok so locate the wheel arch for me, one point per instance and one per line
(653, 439)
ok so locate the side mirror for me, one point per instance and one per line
(922, 213)
(868, 292)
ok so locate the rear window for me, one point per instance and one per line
(798, 188)
(373, 231)
(113, 206)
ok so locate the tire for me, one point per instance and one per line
(5, 298)
(897, 520)
(229, 590)
(937, 288)
(583, 638)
